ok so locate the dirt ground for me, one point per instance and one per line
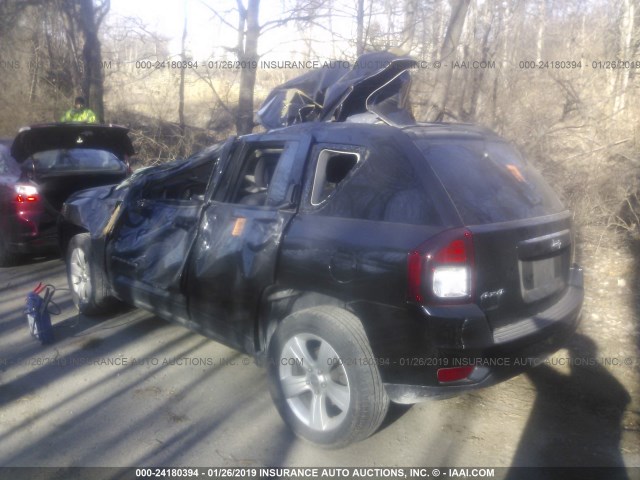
(580, 408)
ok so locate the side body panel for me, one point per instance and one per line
(237, 249)
(351, 249)
(149, 235)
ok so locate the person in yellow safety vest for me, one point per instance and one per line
(79, 113)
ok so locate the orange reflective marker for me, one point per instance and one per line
(515, 171)
(238, 227)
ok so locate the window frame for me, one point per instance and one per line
(340, 148)
(170, 179)
(318, 185)
(232, 178)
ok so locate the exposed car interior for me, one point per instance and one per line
(333, 167)
(189, 185)
(256, 177)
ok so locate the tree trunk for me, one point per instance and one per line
(440, 95)
(501, 26)
(409, 30)
(183, 58)
(438, 30)
(92, 80)
(74, 68)
(487, 17)
(621, 81)
(36, 67)
(248, 56)
(542, 13)
(360, 28)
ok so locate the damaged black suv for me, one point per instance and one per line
(361, 262)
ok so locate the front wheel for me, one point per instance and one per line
(322, 379)
(87, 281)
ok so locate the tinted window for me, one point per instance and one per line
(75, 159)
(332, 167)
(489, 181)
(382, 186)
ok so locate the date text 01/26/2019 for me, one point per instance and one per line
(578, 64)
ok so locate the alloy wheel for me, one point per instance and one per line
(79, 272)
(314, 382)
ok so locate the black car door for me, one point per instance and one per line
(234, 256)
(149, 246)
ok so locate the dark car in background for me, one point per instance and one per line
(42, 167)
(361, 261)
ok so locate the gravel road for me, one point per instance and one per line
(133, 390)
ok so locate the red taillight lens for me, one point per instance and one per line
(26, 193)
(454, 374)
(441, 269)
(455, 252)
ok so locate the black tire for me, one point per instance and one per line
(348, 397)
(87, 281)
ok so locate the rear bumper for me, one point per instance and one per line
(26, 236)
(34, 245)
(489, 370)
(495, 356)
(566, 309)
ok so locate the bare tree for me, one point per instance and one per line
(59, 44)
(248, 31)
(440, 95)
(84, 20)
(247, 52)
(487, 18)
(627, 27)
(360, 28)
(183, 58)
(409, 28)
(542, 21)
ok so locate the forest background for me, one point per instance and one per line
(558, 78)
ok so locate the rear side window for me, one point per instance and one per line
(332, 168)
(376, 182)
(489, 182)
(80, 159)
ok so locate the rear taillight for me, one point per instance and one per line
(26, 194)
(441, 270)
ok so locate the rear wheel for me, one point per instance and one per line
(87, 282)
(322, 379)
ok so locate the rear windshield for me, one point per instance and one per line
(489, 181)
(77, 159)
